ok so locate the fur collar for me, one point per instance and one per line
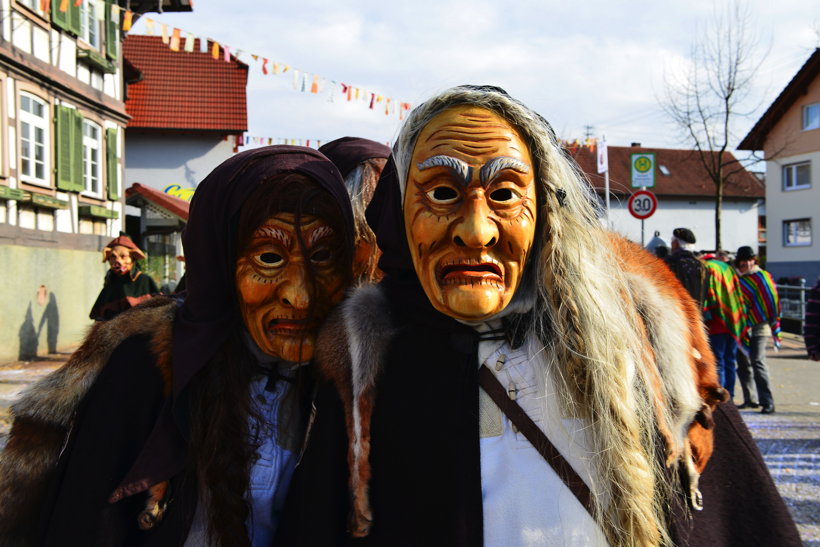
(44, 414)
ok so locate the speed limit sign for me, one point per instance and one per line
(642, 204)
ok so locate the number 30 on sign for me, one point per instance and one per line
(642, 204)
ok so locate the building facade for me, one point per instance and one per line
(686, 197)
(62, 121)
(788, 133)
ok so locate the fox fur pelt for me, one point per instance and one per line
(680, 364)
(44, 414)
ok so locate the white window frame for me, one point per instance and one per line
(29, 124)
(789, 174)
(90, 24)
(811, 122)
(791, 230)
(92, 159)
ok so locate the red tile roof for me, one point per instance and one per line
(687, 176)
(179, 90)
(137, 193)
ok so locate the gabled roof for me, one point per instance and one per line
(793, 91)
(687, 177)
(180, 90)
(138, 194)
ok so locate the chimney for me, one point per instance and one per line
(636, 144)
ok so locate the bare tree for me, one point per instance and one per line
(705, 101)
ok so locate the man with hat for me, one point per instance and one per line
(125, 284)
(691, 272)
(763, 320)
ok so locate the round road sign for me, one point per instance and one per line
(642, 204)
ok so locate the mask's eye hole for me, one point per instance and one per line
(321, 256)
(270, 259)
(443, 195)
(503, 195)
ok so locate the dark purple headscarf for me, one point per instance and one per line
(210, 311)
(210, 308)
(348, 152)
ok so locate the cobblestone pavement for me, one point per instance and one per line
(789, 439)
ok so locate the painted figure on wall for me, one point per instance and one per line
(520, 376)
(202, 402)
(361, 162)
(126, 285)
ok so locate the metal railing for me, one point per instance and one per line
(793, 302)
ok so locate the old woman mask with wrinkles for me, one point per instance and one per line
(470, 211)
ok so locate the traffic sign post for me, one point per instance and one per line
(642, 167)
(642, 205)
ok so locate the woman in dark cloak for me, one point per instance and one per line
(179, 422)
(126, 285)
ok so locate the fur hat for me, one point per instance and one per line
(123, 241)
(745, 253)
(684, 234)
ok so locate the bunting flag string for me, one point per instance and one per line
(301, 80)
(252, 140)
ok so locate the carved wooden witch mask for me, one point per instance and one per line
(470, 211)
(287, 279)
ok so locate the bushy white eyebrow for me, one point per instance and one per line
(490, 169)
(455, 165)
(274, 233)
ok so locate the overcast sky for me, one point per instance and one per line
(579, 63)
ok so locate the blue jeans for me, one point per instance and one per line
(725, 349)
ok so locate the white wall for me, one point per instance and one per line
(159, 160)
(739, 222)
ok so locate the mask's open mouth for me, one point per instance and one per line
(292, 327)
(468, 272)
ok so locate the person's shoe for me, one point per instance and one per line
(767, 409)
(749, 405)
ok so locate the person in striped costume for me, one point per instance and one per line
(762, 321)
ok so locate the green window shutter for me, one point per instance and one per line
(64, 132)
(77, 151)
(74, 17)
(59, 18)
(112, 163)
(112, 32)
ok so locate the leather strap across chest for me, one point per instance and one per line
(536, 437)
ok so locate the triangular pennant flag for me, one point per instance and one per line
(77, 3)
(255, 56)
(295, 79)
(372, 100)
(189, 42)
(276, 68)
(304, 81)
(307, 143)
(149, 27)
(164, 30)
(215, 51)
(285, 69)
(314, 86)
(45, 5)
(226, 54)
(264, 66)
(174, 45)
(127, 20)
(63, 6)
(387, 108)
(203, 45)
(99, 11)
(357, 93)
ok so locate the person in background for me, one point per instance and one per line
(811, 325)
(725, 319)
(361, 162)
(762, 321)
(126, 285)
(690, 271)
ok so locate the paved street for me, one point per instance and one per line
(789, 439)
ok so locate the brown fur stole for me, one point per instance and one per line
(44, 414)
